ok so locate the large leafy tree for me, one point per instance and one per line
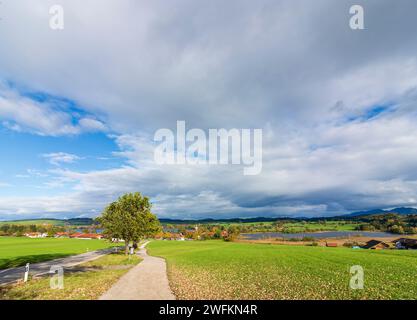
(130, 218)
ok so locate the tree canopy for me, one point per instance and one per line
(130, 218)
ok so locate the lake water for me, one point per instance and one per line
(316, 235)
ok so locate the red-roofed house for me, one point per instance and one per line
(331, 244)
(36, 235)
(62, 235)
(86, 236)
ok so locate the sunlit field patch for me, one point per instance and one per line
(17, 251)
(221, 270)
(87, 281)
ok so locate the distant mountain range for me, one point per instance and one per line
(380, 211)
(89, 221)
(56, 222)
(402, 210)
(230, 220)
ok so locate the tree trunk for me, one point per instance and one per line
(126, 247)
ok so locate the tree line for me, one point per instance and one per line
(19, 230)
(391, 222)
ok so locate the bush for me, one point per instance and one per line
(396, 229)
(351, 244)
(232, 233)
(365, 227)
(307, 239)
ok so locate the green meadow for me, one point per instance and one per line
(229, 270)
(17, 251)
(34, 222)
(293, 226)
(313, 226)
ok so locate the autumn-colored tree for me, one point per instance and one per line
(232, 233)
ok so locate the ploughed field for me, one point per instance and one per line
(229, 270)
(17, 251)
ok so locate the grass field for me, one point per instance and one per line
(17, 251)
(35, 222)
(314, 226)
(87, 281)
(295, 227)
(224, 270)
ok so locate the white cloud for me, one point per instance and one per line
(43, 118)
(57, 158)
(91, 125)
(297, 71)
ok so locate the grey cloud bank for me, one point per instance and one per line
(337, 107)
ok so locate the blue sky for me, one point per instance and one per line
(79, 107)
(26, 166)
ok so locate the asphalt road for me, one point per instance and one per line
(14, 274)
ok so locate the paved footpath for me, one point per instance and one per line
(36, 269)
(146, 281)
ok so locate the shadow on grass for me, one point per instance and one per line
(22, 260)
